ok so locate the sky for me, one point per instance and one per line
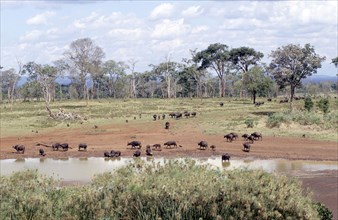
(148, 32)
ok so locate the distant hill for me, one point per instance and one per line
(320, 78)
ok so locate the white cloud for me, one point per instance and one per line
(199, 29)
(32, 35)
(169, 28)
(166, 46)
(193, 11)
(164, 10)
(40, 18)
(126, 34)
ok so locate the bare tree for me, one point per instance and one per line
(84, 59)
(133, 78)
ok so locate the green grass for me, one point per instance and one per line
(27, 117)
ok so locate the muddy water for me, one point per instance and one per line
(83, 169)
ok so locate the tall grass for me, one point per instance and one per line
(172, 190)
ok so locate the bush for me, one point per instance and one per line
(276, 119)
(176, 189)
(324, 105)
(249, 122)
(323, 211)
(308, 103)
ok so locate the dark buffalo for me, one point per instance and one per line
(56, 146)
(83, 145)
(251, 139)
(235, 135)
(167, 125)
(148, 151)
(154, 117)
(64, 146)
(172, 115)
(257, 135)
(157, 146)
(178, 115)
(187, 114)
(221, 104)
(19, 148)
(203, 145)
(193, 114)
(245, 136)
(107, 154)
(246, 147)
(229, 137)
(137, 153)
(213, 147)
(42, 152)
(163, 116)
(170, 143)
(225, 157)
(135, 144)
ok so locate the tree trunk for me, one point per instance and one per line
(254, 96)
(222, 87)
(292, 92)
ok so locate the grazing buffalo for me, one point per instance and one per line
(137, 153)
(107, 154)
(172, 115)
(83, 145)
(251, 139)
(154, 117)
(42, 152)
(135, 144)
(157, 146)
(221, 104)
(193, 114)
(56, 146)
(246, 147)
(213, 147)
(167, 124)
(178, 115)
(203, 145)
(245, 136)
(170, 143)
(229, 137)
(148, 151)
(235, 135)
(187, 114)
(19, 148)
(225, 157)
(64, 146)
(257, 135)
(163, 116)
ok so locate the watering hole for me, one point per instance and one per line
(83, 169)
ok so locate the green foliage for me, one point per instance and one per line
(324, 105)
(249, 122)
(323, 212)
(308, 103)
(175, 189)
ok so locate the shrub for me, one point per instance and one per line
(276, 119)
(324, 105)
(249, 122)
(323, 212)
(308, 103)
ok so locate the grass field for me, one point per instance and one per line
(27, 117)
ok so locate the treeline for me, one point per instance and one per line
(216, 71)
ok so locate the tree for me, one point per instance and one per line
(84, 59)
(308, 103)
(114, 71)
(335, 61)
(256, 82)
(133, 78)
(243, 58)
(324, 105)
(292, 63)
(216, 57)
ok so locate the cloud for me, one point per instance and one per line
(193, 11)
(126, 34)
(169, 28)
(32, 35)
(164, 10)
(40, 18)
(199, 29)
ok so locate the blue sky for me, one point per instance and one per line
(148, 31)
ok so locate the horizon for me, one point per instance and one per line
(148, 31)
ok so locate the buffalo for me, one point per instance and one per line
(64, 146)
(257, 135)
(19, 148)
(187, 114)
(251, 139)
(221, 104)
(178, 115)
(235, 135)
(148, 151)
(193, 114)
(229, 137)
(246, 147)
(137, 153)
(135, 144)
(163, 116)
(42, 152)
(245, 136)
(203, 145)
(154, 117)
(170, 143)
(225, 157)
(83, 145)
(213, 147)
(157, 146)
(167, 125)
(56, 146)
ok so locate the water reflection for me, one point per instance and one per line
(83, 169)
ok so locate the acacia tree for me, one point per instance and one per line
(114, 71)
(216, 57)
(292, 63)
(84, 59)
(244, 57)
(257, 82)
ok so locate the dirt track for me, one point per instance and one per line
(115, 137)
